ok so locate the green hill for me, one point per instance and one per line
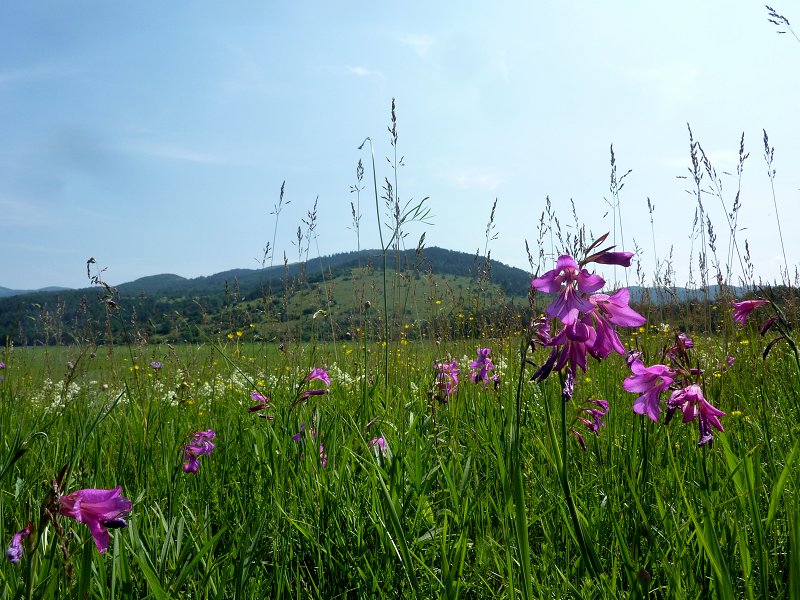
(428, 290)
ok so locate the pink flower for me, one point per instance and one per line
(319, 374)
(446, 380)
(14, 551)
(568, 304)
(742, 309)
(481, 366)
(649, 382)
(615, 309)
(694, 406)
(99, 510)
(200, 445)
(380, 445)
(596, 412)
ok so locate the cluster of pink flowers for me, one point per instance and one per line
(681, 380)
(588, 319)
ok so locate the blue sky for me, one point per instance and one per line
(155, 136)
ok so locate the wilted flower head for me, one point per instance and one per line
(98, 509)
(200, 445)
(693, 405)
(742, 309)
(14, 551)
(568, 304)
(480, 367)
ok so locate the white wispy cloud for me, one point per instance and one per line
(175, 152)
(421, 43)
(359, 71)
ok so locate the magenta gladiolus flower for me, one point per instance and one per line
(615, 309)
(694, 406)
(14, 551)
(742, 309)
(568, 304)
(319, 374)
(622, 259)
(649, 382)
(99, 510)
(571, 344)
(481, 366)
(200, 445)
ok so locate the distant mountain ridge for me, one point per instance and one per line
(7, 292)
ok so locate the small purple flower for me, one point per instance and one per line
(98, 509)
(729, 360)
(200, 445)
(742, 309)
(323, 456)
(319, 374)
(649, 382)
(380, 445)
(568, 304)
(596, 410)
(446, 380)
(480, 367)
(2, 365)
(261, 402)
(693, 405)
(14, 551)
(299, 435)
(156, 365)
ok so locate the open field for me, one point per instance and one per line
(486, 494)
